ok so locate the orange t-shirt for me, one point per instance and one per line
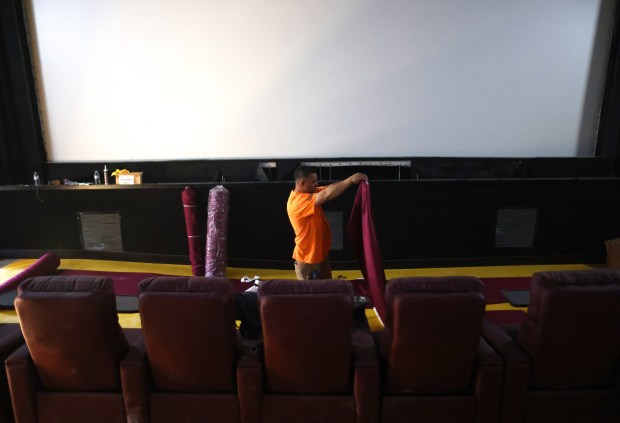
(312, 235)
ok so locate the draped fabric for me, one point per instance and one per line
(192, 227)
(361, 234)
(217, 231)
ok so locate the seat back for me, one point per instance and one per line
(433, 328)
(572, 330)
(307, 335)
(71, 328)
(189, 333)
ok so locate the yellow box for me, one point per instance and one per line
(131, 178)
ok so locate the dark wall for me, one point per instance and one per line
(420, 223)
(22, 151)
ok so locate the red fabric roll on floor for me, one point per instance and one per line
(45, 265)
(217, 231)
(192, 227)
(362, 236)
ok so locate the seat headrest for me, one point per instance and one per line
(186, 284)
(100, 284)
(577, 277)
(429, 285)
(434, 284)
(292, 286)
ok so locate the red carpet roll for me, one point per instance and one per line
(192, 227)
(46, 265)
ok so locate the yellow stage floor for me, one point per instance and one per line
(132, 320)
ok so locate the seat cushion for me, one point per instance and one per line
(62, 407)
(188, 407)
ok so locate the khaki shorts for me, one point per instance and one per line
(305, 271)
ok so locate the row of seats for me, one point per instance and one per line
(437, 360)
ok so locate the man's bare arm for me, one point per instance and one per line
(334, 190)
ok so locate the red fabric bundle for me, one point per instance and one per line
(362, 236)
(194, 238)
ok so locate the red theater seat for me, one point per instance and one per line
(562, 363)
(188, 365)
(316, 367)
(436, 366)
(69, 369)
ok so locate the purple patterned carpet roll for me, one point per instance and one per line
(217, 231)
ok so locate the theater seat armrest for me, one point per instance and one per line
(12, 339)
(135, 377)
(367, 378)
(516, 372)
(616, 380)
(364, 349)
(23, 383)
(488, 383)
(250, 382)
(505, 345)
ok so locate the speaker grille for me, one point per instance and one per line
(515, 227)
(336, 224)
(101, 231)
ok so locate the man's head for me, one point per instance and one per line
(305, 179)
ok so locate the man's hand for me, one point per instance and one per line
(357, 178)
(334, 190)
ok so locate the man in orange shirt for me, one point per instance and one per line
(312, 233)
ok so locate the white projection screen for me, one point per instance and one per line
(204, 79)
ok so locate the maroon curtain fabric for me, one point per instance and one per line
(217, 231)
(192, 227)
(362, 236)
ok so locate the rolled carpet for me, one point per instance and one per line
(46, 265)
(192, 227)
(217, 231)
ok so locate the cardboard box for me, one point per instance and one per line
(613, 253)
(131, 178)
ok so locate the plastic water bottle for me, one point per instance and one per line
(37, 181)
(96, 178)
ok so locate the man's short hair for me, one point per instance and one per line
(303, 171)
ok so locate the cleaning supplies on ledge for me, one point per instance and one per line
(125, 177)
